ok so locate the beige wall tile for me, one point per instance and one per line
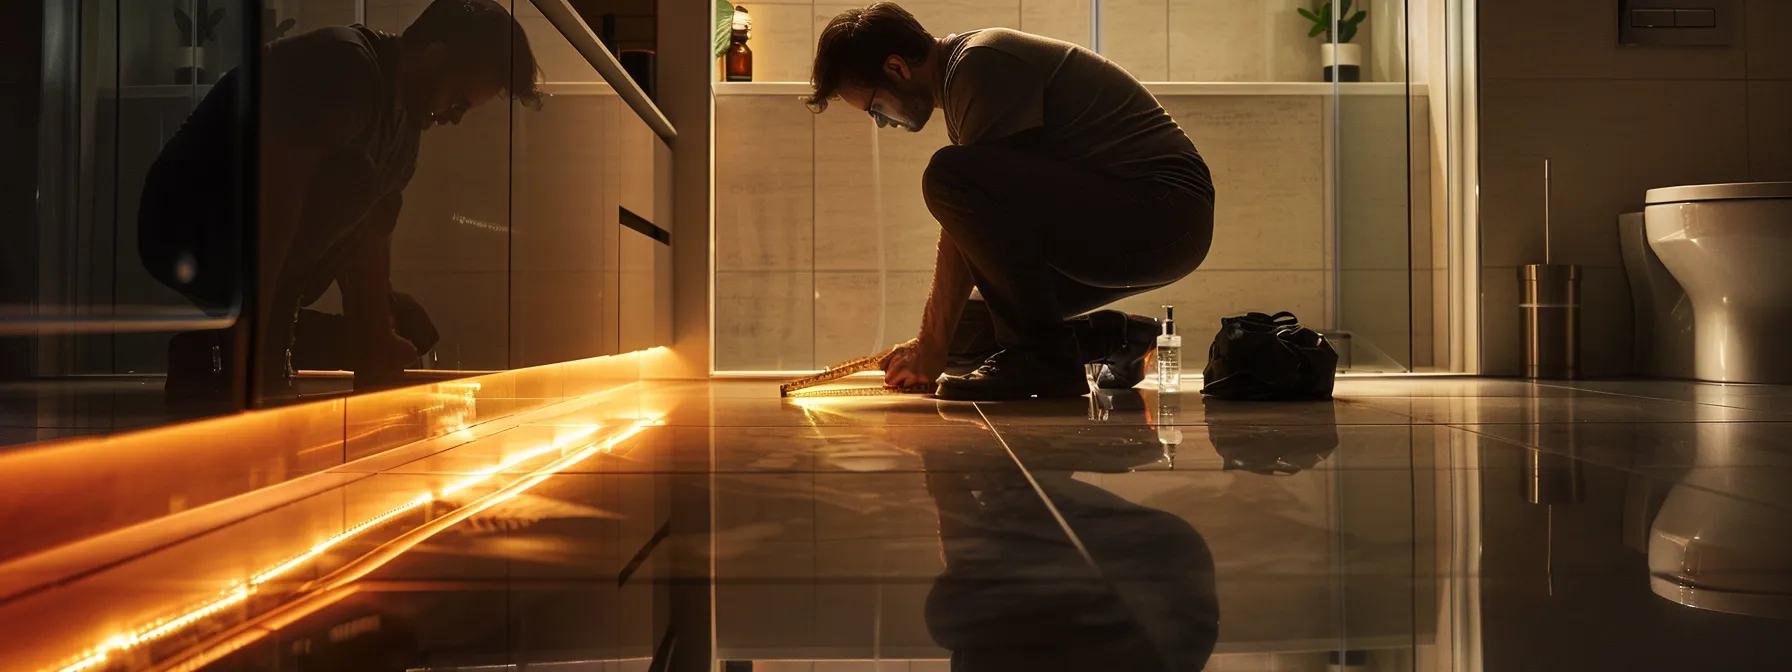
(1768, 30)
(1608, 142)
(783, 41)
(1136, 34)
(1511, 202)
(1269, 174)
(1606, 322)
(314, 14)
(1499, 321)
(764, 172)
(471, 311)
(1769, 133)
(853, 202)
(939, 17)
(847, 312)
(1068, 20)
(1577, 40)
(765, 320)
(1229, 41)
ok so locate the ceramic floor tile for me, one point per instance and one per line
(1142, 407)
(1602, 408)
(897, 533)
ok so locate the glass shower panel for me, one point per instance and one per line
(1380, 195)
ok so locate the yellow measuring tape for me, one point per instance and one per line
(849, 367)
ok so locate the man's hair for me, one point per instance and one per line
(856, 44)
(481, 35)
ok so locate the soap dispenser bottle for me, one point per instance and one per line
(1169, 355)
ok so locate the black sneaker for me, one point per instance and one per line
(1017, 374)
(1129, 340)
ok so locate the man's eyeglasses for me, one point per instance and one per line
(870, 108)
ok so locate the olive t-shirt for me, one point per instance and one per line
(1072, 105)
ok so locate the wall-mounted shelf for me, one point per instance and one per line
(1156, 88)
(157, 91)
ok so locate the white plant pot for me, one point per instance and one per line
(189, 65)
(1341, 62)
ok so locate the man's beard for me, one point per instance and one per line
(915, 109)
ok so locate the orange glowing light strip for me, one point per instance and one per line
(240, 592)
(322, 592)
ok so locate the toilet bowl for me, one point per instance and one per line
(1728, 245)
(1662, 334)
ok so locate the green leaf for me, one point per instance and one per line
(186, 26)
(1316, 30)
(724, 26)
(217, 17)
(1308, 13)
(1347, 32)
(1345, 10)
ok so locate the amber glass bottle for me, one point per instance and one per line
(739, 58)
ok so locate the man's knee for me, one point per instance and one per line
(947, 174)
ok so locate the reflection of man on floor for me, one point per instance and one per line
(342, 110)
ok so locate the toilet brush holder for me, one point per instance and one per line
(1549, 320)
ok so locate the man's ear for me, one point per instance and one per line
(897, 68)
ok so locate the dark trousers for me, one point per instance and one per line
(1047, 241)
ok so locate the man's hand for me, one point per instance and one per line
(918, 362)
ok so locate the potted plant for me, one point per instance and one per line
(724, 31)
(1342, 61)
(195, 32)
(272, 28)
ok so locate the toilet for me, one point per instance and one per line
(1662, 337)
(1728, 246)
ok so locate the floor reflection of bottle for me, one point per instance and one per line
(1169, 434)
(739, 58)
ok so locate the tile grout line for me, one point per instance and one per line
(1037, 490)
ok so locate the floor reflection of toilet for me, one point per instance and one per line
(1662, 346)
(1728, 245)
(1723, 537)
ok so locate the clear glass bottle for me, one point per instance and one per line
(739, 58)
(1169, 355)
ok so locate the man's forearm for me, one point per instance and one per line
(952, 284)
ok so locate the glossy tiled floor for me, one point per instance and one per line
(1412, 524)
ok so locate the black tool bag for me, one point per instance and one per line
(1269, 357)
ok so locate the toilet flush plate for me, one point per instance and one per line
(1677, 23)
